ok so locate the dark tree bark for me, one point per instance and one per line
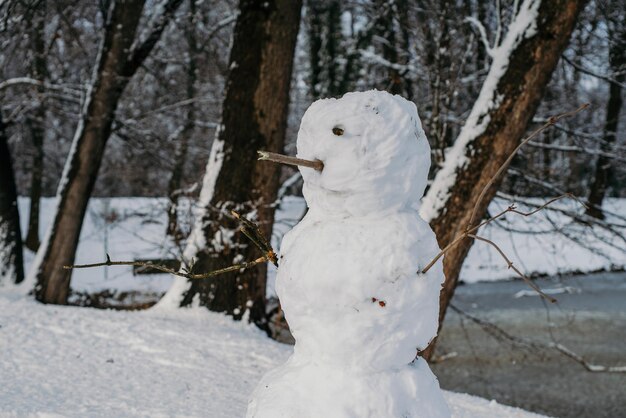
(254, 117)
(385, 29)
(315, 30)
(182, 144)
(11, 262)
(118, 59)
(519, 91)
(603, 169)
(36, 121)
(439, 64)
(333, 39)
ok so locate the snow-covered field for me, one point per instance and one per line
(69, 361)
(79, 362)
(129, 228)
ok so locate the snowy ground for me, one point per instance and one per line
(129, 228)
(79, 362)
(72, 361)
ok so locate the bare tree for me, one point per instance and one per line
(254, 116)
(521, 67)
(119, 58)
(36, 16)
(183, 135)
(615, 19)
(11, 263)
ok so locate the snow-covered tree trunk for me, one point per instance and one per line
(522, 65)
(119, 57)
(11, 265)
(254, 117)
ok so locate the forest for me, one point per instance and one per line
(130, 178)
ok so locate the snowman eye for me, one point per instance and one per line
(338, 130)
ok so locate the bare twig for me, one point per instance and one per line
(494, 330)
(284, 159)
(511, 208)
(180, 273)
(512, 267)
(504, 166)
(470, 228)
(254, 234)
(588, 366)
(593, 73)
(248, 228)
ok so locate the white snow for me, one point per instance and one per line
(60, 361)
(523, 26)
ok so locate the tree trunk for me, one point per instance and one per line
(315, 28)
(521, 69)
(118, 60)
(617, 64)
(254, 117)
(182, 144)
(36, 124)
(11, 263)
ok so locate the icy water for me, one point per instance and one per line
(589, 319)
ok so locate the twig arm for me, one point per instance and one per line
(248, 228)
(164, 269)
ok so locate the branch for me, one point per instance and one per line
(515, 269)
(248, 228)
(503, 167)
(142, 48)
(185, 274)
(469, 229)
(592, 73)
(573, 148)
(511, 208)
(16, 81)
(483, 34)
(588, 366)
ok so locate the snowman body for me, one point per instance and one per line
(348, 280)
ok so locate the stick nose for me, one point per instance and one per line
(284, 159)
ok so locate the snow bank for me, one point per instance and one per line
(77, 362)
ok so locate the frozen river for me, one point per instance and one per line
(589, 318)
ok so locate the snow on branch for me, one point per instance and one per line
(18, 81)
(523, 26)
(483, 34)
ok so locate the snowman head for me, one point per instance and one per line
(375, 154)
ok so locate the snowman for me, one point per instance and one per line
(349, 281)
